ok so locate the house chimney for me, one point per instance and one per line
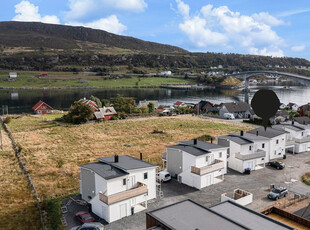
(241, 133)
(292, 122)
(141, 156)
(115, 158)
(256, 133)
(195, 141)
(211, 140)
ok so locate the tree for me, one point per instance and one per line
(124, 104)
(105, 102)
(79, 112)
(96, 100)
(151, 107)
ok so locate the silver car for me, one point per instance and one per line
(89, 226)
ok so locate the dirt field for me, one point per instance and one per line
(53, 152)
(17, 205)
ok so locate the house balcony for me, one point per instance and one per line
(218, 165)
(302, 140)
(257, 154)
(117, 197)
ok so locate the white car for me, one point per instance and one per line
(229, 116)
(89, 226)
(163, 176)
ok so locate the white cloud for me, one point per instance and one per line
(293, 12)
(298, 48)
(30, 13)
(80, 8)
(222, 27)
(266, 18)
(183, 8)
(110, 24)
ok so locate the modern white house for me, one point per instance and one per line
(277, 141)
(239, 109)
(246, 151)
(197, 163)
(297, 134)
(117, 186)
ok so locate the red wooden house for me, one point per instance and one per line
(91, 103)
(105, 113)
(42, 108)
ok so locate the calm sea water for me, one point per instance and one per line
(19, 101)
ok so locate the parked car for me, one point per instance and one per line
(276, 164)
(164, 176)
(229, 116)
(84, 217)
(89, 226)
(277, 193)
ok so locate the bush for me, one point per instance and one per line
(114, 118)
(306, 178)
(7, 120)
(79, 112)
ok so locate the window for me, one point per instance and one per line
(263, 145)
(275, 152)
(302, 133)
(220, 155)
(250, 148)
(145, 176)
(277, 141)
(124, 181)
(207, 158)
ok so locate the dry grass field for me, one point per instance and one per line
(53, 152)
(17, 206)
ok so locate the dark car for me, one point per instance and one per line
(276, 164)
(277, 193)
(84, 217)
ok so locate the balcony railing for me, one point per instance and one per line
(140, 190)
(218, 165)
(257, 154)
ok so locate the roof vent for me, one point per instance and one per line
(292, 122)
(115, 158)
(141, 156)
(241, 133)
(257, 133)
(195, 141)
(211, 140)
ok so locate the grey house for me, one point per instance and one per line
(239, 109)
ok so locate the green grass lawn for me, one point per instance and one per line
(30, 79)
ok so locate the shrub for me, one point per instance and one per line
(79, 112)
(306, 178)
(114, 118)
(7, 120)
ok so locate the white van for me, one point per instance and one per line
(229, 116)
(163, 176)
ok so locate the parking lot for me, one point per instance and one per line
(257, 183)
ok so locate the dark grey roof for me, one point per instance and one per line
(270, 132)
(302, 120)
(156, 228)
(282, 113)
(104, 170)
(248, 218)
(187, 215)
(237, 106)
(289, 126)
(126, 162)
(237, 139)
(189, 149)
(198, 149)
(201, 144)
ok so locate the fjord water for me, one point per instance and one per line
(21, 101)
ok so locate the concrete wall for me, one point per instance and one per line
(242, 201)
(174, 161)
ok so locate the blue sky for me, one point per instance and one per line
(273, 28)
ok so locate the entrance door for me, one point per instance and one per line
(208, 180)
(131, 182)
(123, 210)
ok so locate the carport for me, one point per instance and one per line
(290, 145)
